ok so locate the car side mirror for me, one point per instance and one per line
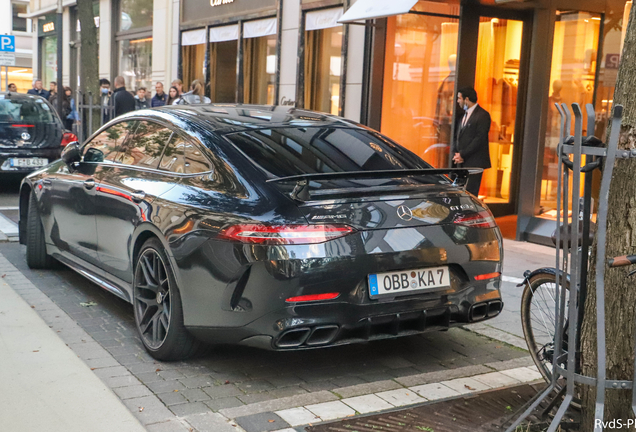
(71, 153)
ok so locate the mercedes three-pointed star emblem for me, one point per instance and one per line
(404, 213)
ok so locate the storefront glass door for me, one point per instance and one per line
(497, 83)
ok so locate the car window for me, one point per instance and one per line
(24, 110)
(145, 145)
(195, 159)
(105, 146)
(173, 158)
(294, 151)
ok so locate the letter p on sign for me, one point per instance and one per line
(7, 43)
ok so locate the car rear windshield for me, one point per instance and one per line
(30, 111)
(292, 151)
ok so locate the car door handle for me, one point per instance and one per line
(138, 196)
(89, 184)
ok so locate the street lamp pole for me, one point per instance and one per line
(60, 59)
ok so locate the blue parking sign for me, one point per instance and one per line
(7, 43)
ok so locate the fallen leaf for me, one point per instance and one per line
(141, 409)
(88, 304)
(3, 275)
(157, 370)
(93, 368)
(227, 382)
(468, 387)
(36, 350)
(176, 391)
(32, 307)
(271, 421)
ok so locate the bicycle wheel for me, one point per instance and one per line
(538, 320)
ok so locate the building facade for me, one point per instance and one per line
(395, 69)
(12, 23)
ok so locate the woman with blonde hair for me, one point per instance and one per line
(196, 94)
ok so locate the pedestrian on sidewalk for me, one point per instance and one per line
(173, 96)
(140, 99)
(73, 115)
(195, 95)
(122, 100)
(66, 106)
(470, 148)
(13, 88)
(179, 85)
(160, 98)
(37, 89)
(105, 95)
(52, 90)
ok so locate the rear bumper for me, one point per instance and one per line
(332, 324)
(6, 155)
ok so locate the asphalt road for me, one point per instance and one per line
(9, 195)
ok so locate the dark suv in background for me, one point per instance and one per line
(31, 133)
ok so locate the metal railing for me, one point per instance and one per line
(93, 113)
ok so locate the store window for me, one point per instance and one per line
(135, 62)
(223, 63)
(574, 57)
(134, 43)
(135, 14)
(497, 83)
(21, 77)
(20, 24)
(418, 97)
(193, 56)
(48, 60)
(323, 60)
(613, 36)
(259, 61)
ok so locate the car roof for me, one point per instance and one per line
(229, 118)
(14, 95)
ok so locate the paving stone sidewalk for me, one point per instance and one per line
(233, 382)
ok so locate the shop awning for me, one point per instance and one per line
(323, 19)
(370, 9)
(193, 37)
(47, 10)
(225, 33)
(260, 28)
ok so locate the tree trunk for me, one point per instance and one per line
(89, 72)
(620, 291)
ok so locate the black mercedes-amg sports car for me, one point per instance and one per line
(265, 226)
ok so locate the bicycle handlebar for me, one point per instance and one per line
(621, 261)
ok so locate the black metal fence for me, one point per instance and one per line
(94, 111)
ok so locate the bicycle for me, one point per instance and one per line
(538, 304)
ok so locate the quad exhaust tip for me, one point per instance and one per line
(309, 336)
(481, 311)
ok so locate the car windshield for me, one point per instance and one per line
(292, 151)
(25, 110)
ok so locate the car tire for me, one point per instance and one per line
(36, 255)
(158, 308)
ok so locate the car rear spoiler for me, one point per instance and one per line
(301, 190)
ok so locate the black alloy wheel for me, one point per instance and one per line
(157, 306)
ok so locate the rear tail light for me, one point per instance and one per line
(313, 297)
(22, 125)
(487, 276)
(284, 234)
(482, 219)
(68, 138)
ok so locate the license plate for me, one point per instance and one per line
(29, 162)
(408, 281)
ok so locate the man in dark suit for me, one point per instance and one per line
(122, 100)
(470, 148)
